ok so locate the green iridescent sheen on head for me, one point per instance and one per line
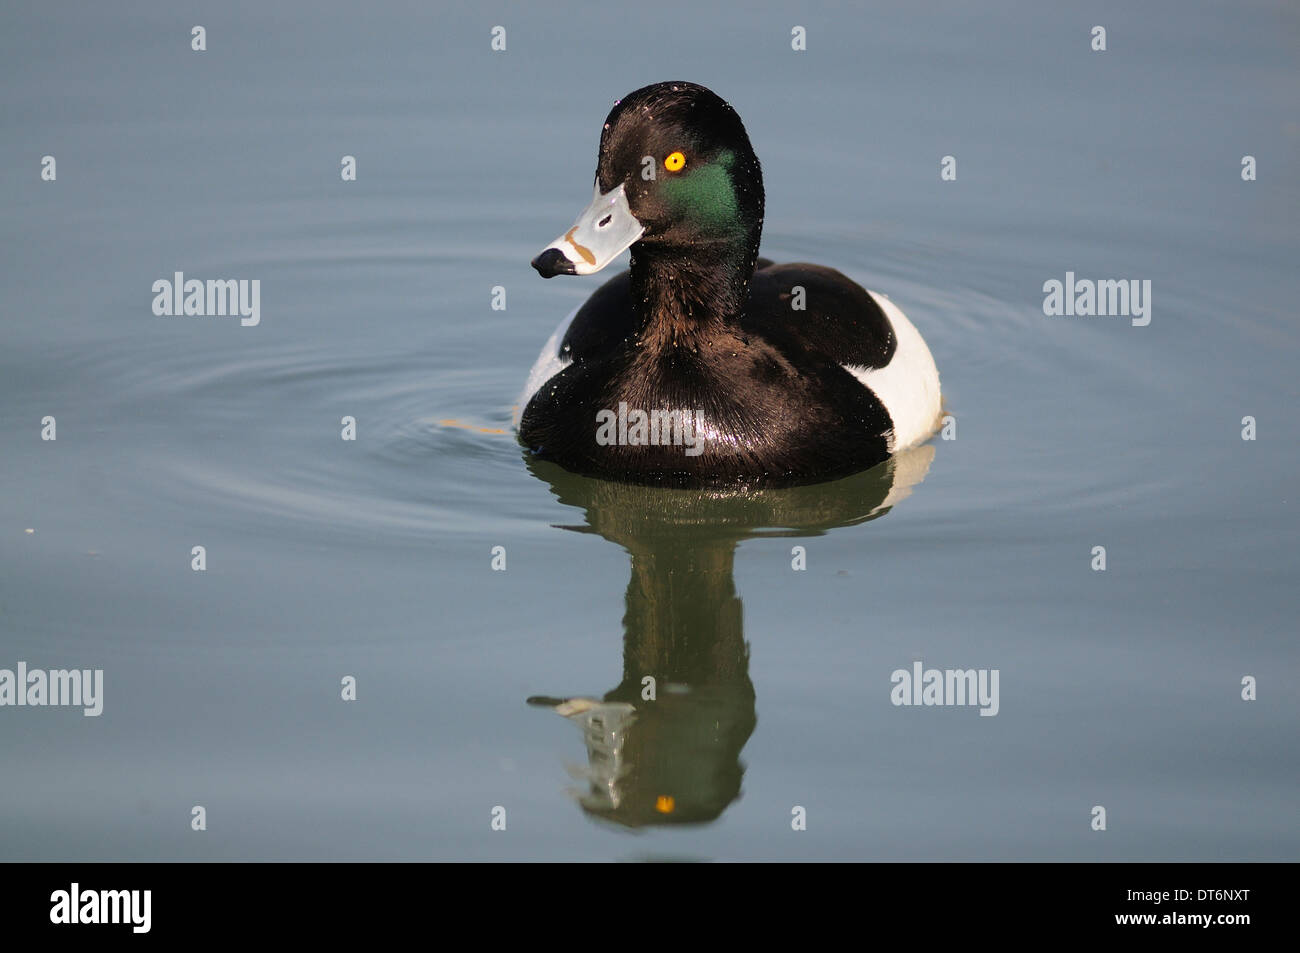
(706, 194)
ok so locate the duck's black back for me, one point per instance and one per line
(778, 406)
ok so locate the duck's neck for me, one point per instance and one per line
(682, 300)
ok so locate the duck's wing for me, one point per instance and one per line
(821, 312)
(863, 332)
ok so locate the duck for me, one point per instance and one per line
(704, 365)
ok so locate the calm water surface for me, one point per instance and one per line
(372, 558)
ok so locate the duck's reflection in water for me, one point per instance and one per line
(663, 747)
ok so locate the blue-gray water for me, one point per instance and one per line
(373, 558)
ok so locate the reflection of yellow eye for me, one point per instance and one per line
(675, 162)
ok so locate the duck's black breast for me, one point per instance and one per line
(777, 406)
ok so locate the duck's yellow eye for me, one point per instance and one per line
(675, 162)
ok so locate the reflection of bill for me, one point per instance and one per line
(675, 760)
(663, 747)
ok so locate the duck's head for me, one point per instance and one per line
(676, 175)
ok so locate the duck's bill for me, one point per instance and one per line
(604, 229)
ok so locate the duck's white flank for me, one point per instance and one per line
(549, 363)
(908, 385)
